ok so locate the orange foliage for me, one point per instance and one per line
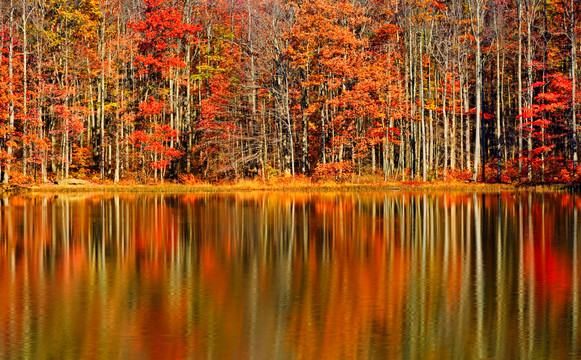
(340, 170)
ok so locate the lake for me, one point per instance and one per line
(290, 275)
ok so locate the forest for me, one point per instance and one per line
(148, 91)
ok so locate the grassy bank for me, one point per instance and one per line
(290, 185)
(13, 189)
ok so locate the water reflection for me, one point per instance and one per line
(277, 276)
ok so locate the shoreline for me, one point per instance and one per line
(290, 186)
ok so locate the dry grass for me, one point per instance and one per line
(287, 184)
(367, 183)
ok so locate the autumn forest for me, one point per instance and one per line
(206, 90)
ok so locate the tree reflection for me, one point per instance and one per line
(273, 275)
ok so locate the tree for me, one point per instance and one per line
(477, 15)
(163, 36)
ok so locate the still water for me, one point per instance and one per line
(290, 276)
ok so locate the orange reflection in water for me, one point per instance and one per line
(273, 275)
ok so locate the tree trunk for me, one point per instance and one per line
(476, 29)
(422, 117)
(41, 152)
(445, 116)
(24, 86)
(574, 90)
(530, 19)
(11, 92)
(102, 102)
(453, 133)
(498, 114)
(519, 75)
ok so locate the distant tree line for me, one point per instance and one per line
(147, 90)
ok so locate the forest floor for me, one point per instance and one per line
(288, 185)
